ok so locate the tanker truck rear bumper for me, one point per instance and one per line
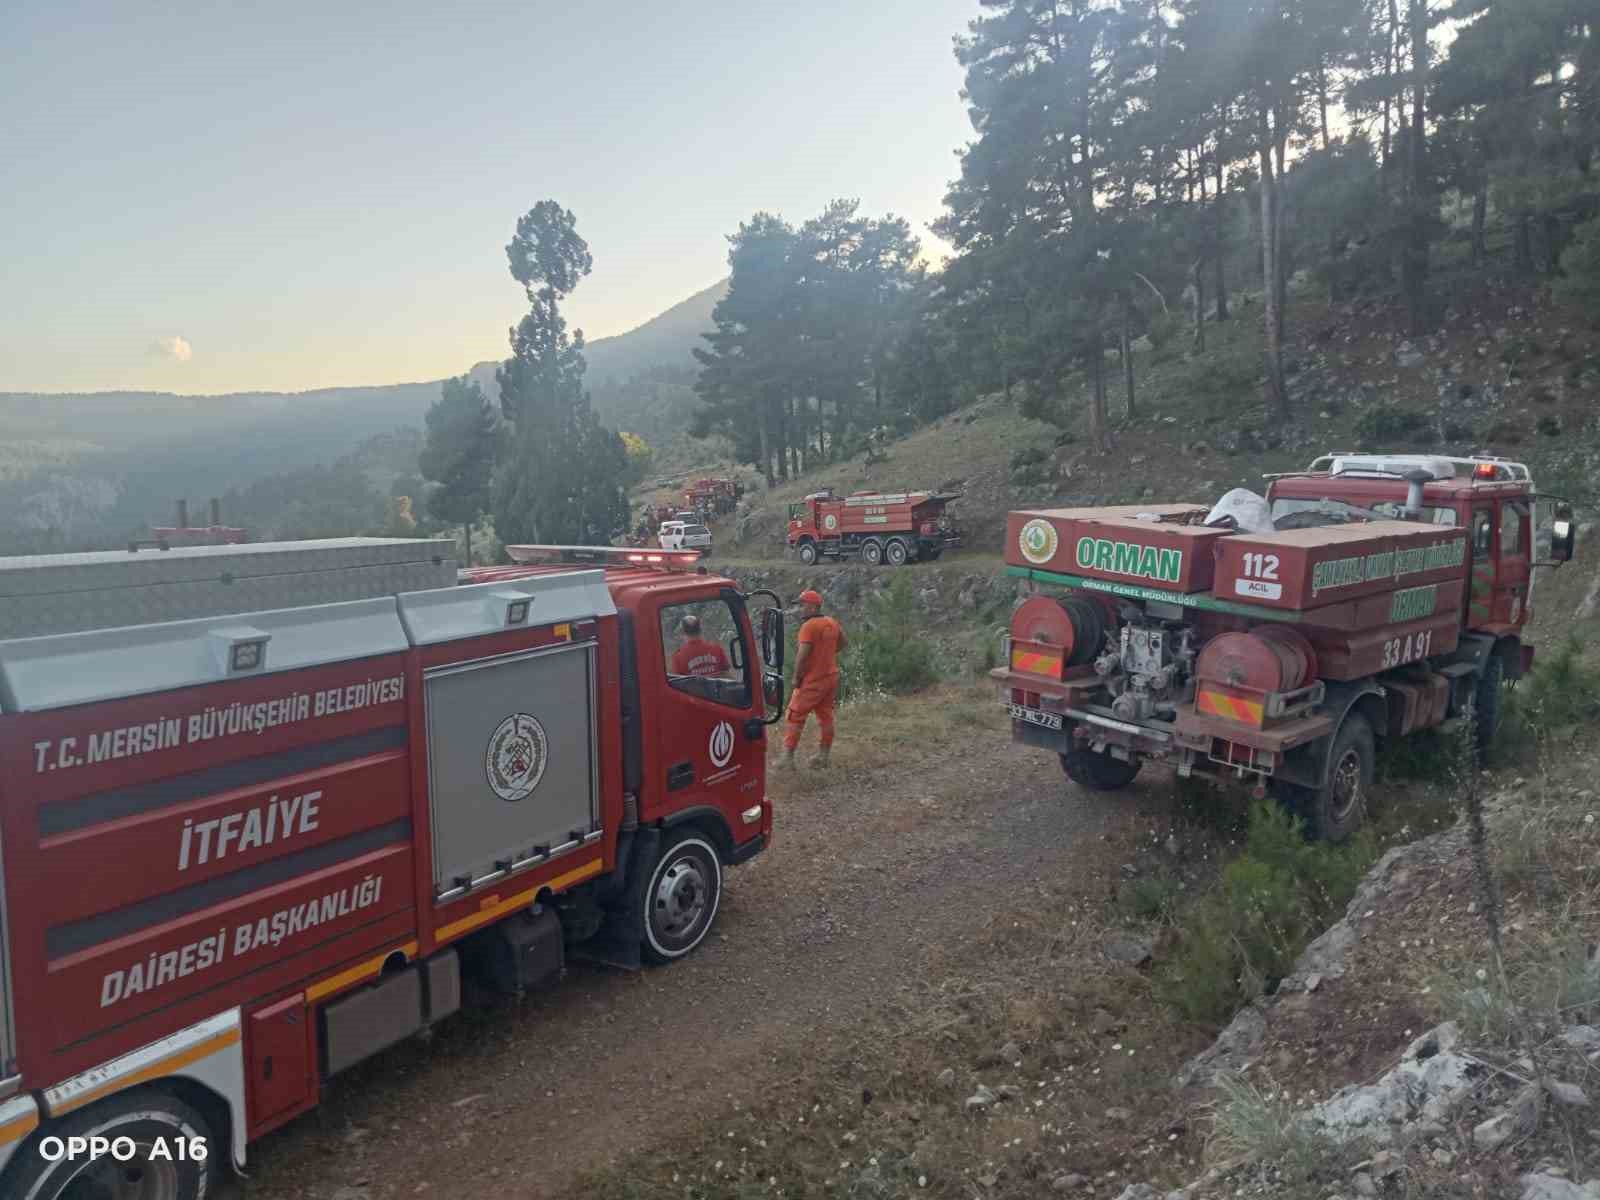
(1061, 716)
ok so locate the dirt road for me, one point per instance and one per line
(871, 868)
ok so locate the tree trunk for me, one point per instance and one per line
(466, 532)
(1277, 396)
(1416, 258)
(1197, 282)
(1127, 355)
(1388, 89)
(783, 438)
(1098, 435)
(1219, 250)
(1480, 210)
(1524, 243)
(1322, 100)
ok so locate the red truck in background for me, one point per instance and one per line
(263, 809)
(713, 497)
(1373, 596)
(893, 528)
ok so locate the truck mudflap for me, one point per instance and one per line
(19, 1117)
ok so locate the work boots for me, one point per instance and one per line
(821, 760)
(787, 761)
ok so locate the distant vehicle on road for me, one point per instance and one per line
(684, 535)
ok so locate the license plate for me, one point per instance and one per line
(1033, 716)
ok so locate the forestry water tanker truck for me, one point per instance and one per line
(894, 528)
(264, 809)
(1377, 595)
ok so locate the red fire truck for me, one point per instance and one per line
(879, 528)
(1375, 596)
(713, 497)
(264, 808)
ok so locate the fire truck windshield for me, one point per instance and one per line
(1286, 508)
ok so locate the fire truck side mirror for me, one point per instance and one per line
(772, 695)
(1563, 536)
(772, 639)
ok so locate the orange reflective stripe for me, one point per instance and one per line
(1232, 708)
(1035, 662)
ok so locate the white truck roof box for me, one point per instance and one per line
(64, 593)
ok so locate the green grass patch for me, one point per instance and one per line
(1242, 938)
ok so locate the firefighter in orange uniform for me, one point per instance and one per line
(697, 656)
(816, 678)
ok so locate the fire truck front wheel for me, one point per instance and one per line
(808, 553)
(1098, 771)
(682, 896)
(151, 1135)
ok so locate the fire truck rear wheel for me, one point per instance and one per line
(872, 552)
(895, 553)
(1098, 771)
(144, 1117)
(808, 553)
(1337, 809)
(682, 897)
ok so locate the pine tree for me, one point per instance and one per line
(560, 474)
(459, 451)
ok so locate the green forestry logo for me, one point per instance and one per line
(1130, 558)
(1038, 541)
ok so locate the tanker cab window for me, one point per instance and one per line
(1482, 533)
(1512, 519)
(705, 652)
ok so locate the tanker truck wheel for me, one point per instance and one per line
(132, 1122)
(682, 896)
(808, 553)
(1098, 771)
(895, 553)
(1337, 809)
(872, 552)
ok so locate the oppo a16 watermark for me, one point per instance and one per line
(1130, 558)
(123, 1149)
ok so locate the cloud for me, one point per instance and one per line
(176, 348)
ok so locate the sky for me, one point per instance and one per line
(223, 196)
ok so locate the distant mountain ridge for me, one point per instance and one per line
(106, 462)
(664, 341)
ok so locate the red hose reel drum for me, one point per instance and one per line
(1270, 658)
(1075, 623)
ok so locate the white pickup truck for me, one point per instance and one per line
(684, 535)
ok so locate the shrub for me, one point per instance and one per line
(1254, 1124)
(890, 651)
(1559, 697)
(1028, 456)
(1269, 903)
(1387, 423)
(1579, 284)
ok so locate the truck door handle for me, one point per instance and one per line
(680, 776)
(754, 728)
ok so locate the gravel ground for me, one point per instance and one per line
(870, 869)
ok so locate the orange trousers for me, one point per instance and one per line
(812, 696)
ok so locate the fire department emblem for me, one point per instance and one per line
(830, 521)
(721, 746)
(1038, 541)
(516, 758)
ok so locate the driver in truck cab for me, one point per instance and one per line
(697, 655)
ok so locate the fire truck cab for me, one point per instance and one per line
(265, 808)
